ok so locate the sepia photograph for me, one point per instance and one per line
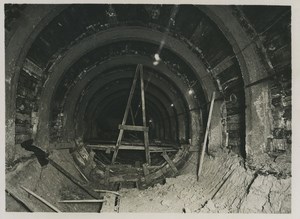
(148, 108)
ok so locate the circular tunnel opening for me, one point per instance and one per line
(167, 117)
(69, 69)
(89, 74)
(172, 92)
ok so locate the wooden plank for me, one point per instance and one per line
(146, 134)
(107, 191)
(83, 201)
(81, 173)
(73, 179)
(146, 172)
(125, 114)
(114, 179)
(163, 144)
(41, 199)
(134, 128)
(152, 149)
(32, 69)
(222, 66)
(206, 134)
(25, 205)
(117, 146)
(170, 162)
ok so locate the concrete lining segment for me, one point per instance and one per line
(34, 19)
(252, 70)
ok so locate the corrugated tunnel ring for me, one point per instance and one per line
(70, 75)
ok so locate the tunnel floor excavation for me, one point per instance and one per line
(148, 108)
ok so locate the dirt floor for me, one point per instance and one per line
(225, 186)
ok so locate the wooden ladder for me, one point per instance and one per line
(143, 128)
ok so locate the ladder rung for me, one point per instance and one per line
(134, 128)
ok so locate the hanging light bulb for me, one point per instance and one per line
(155, 63)
(191, 91)
(172, 105)
(156, 58)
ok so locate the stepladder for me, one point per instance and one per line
(142, 128)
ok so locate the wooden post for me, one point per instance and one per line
(132, 116)
(41, 199)
(117, 206)
(125, 115)
(206, 134)
(146, 133)
(145, 170)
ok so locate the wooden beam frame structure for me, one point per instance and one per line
(123, 126)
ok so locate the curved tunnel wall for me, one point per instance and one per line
(213, 47)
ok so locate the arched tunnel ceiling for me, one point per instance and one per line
(77, 61)
(88, 30)
(77, 50)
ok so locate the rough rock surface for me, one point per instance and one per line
(225, 187)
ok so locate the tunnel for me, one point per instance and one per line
(212, 94)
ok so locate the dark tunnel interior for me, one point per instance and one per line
(210, 78)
